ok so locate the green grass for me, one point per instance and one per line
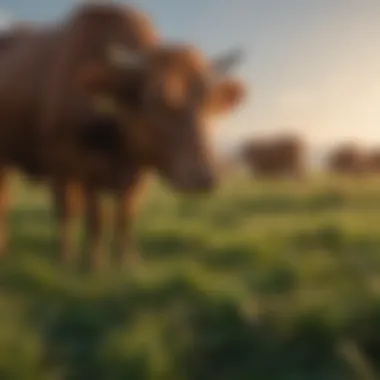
(274, 280)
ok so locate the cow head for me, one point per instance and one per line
(171, 95)
(178, 92)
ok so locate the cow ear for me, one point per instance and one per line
(227, 95)
(93, 77)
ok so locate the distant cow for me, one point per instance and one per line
(348, 159)
(111, 106)
(274, 157)
(373, 161)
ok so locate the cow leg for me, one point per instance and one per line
(3, 212)
(127, 201)
(95, 230)
(126, 253)
(65, 211)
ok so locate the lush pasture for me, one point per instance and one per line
(261, 281)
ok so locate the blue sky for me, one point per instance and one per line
(311, 65)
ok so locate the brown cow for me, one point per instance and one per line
(273, 157)
(347, 159)
(373, 161)
(107, 114)
(174, 93)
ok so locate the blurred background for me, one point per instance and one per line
(277, 275)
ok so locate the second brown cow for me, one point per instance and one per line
(282, 156)
(348, 159)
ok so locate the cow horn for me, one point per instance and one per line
(224, 63)
(121, 56)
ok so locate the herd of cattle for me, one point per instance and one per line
(288, 156)
(97, 101)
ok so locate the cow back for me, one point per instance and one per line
(41, 105)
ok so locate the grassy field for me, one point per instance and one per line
(262, 281)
